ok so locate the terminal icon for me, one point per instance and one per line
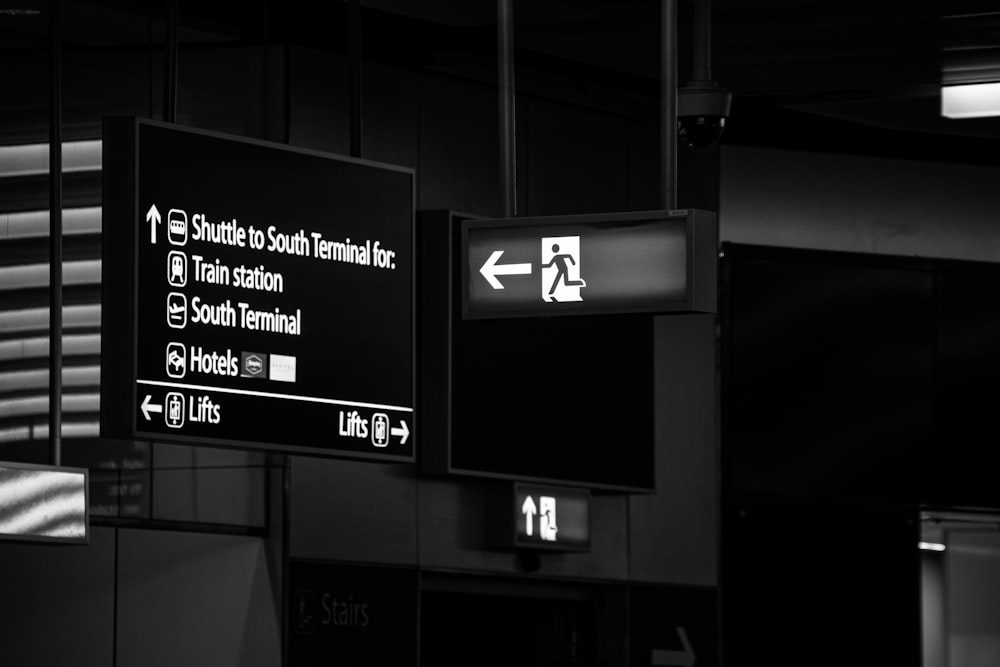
(177, 268)
(177, 310)
(176, 360)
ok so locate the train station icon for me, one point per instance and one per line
(177, 268)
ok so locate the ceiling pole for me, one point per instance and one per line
(702, 57)
(55, 235)
(354, 47)
(170, 63)
(505, 57)
(668, 104)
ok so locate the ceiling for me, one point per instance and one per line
(837, 75)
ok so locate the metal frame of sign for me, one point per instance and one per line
(11, 507)
(120, 328)
(700, 239)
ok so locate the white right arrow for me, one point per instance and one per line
(153, 216)
(529, 510)
(491, 269)
(403, 431)
(148, 407)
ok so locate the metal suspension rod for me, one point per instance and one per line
(508, 138)
(702, 57)
(170, 63)
(356, 99)
(668, 103)
(55, 235)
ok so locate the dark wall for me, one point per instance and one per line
(856, 393)
(859, 378)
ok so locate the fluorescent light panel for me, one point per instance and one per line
(38, 378)
(931, 546)
(37, 319)
(33, 159)
(36, 347)
(43, 503)
(979, 100)
(40, 431)
(23, 406)
(28, 224)
(25, 276)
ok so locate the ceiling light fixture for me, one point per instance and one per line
(979, 100)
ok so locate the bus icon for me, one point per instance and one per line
(177, 227)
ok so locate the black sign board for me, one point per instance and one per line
(549, 400)
(638, 262)
(256, 295)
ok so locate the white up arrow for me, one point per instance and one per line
(153, 216)
(402, 430)
(529, 510)
(491, 269)
(148, 407)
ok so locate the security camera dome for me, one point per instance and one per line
(702, 109)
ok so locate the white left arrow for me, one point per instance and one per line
(491, 269)
(148, 407)
(402, 430)
(153, 216)
(529, 509)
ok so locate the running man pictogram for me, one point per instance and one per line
(562, 269)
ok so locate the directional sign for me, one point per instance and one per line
(256, 295)
(657, 262)
(541, 517)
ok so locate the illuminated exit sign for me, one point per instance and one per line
(637, 262)
(529, 516)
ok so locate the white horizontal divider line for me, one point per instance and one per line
(267, 394)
